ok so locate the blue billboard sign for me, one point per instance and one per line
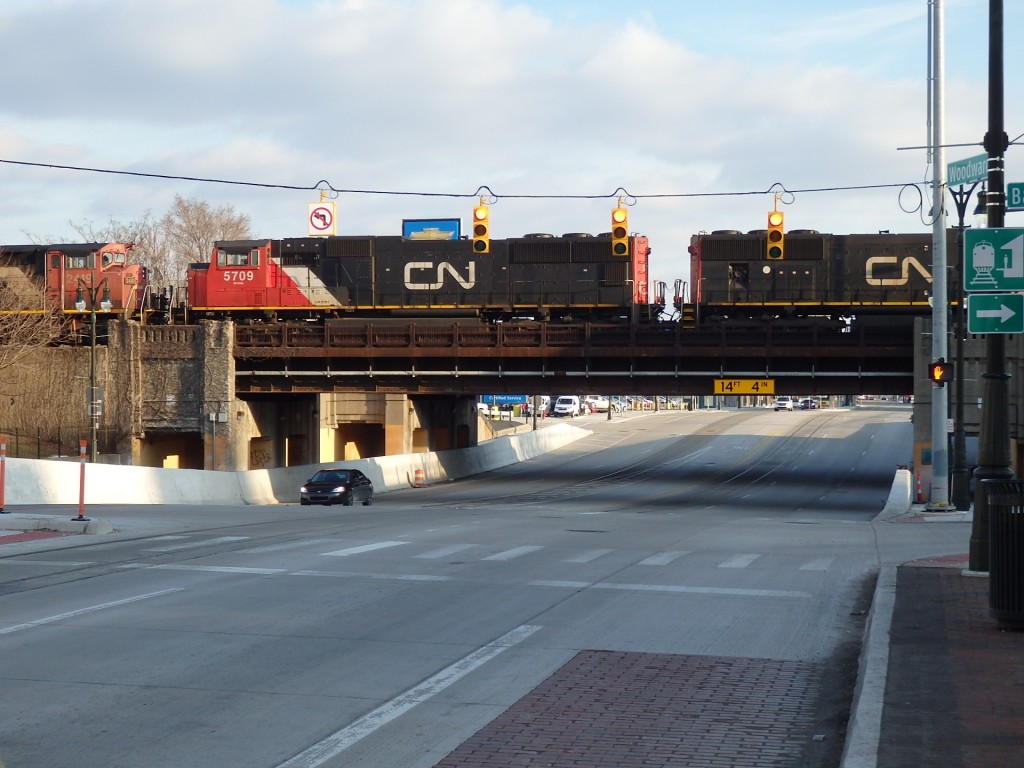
(432, 229)
(503, 399)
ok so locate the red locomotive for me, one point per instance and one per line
(66, 275)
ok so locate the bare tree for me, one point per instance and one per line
(151, 246)
(190, 228)
(28, 321)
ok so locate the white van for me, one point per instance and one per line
(567, 405)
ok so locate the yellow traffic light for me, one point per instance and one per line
(481, 229)
(776, 235)
(939, 372)
(620, 231)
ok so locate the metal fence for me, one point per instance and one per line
(51, 443)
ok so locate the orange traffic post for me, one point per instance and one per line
(3, 472)
(418, 478)
(81, 483)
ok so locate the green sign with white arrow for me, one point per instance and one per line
(995, 313)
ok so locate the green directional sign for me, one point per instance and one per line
(993, 260)
(967, 171)
(1015, 197)
(995, 313)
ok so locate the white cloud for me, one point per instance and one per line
(443, 96)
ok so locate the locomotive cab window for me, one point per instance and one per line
(738, 273)
(229, 259)
(81, 262)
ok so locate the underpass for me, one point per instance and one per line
(444, 624)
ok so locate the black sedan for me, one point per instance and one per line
(337, 486)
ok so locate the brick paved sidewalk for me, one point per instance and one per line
(954, 694)
(609, 709)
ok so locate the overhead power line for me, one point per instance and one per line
(325, 186)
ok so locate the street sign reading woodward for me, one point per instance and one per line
(967, 171)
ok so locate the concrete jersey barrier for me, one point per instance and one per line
(42, 481)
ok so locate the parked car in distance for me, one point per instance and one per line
(337, 486)
(783, 404)
(567, 405)
(597, 403)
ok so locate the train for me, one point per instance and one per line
(574, 277)
(819, 275)
(72, 278)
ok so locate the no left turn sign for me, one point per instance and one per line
(321, 219)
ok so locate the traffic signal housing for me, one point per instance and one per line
(620, 231)
(481, 229)
(939, 372)
(776, 235)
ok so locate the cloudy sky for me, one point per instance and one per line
(413, 108)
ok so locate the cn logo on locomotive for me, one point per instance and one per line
(440, 271)
(906, 264)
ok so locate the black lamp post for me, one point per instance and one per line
(994, 460)
(95, 401)
(960, 494)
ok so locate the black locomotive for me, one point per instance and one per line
(820, 275)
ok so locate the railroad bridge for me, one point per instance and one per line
(470, 358)
(216, 395)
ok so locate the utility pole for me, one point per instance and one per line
(939, 497)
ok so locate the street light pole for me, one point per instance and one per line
(994, 461)
(95, 402)
(959, 493)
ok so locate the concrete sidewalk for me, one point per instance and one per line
(941, 683)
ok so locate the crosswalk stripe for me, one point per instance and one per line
(662, 558)
(738, 561)
(821, 564)
(451, 549)
(588, 555)
(364, 548)
(510, 554)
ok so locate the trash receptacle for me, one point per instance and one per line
(1006, 551)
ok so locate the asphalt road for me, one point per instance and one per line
(288, 637)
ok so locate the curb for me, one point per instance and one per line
(865, 728)
(20, 522)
